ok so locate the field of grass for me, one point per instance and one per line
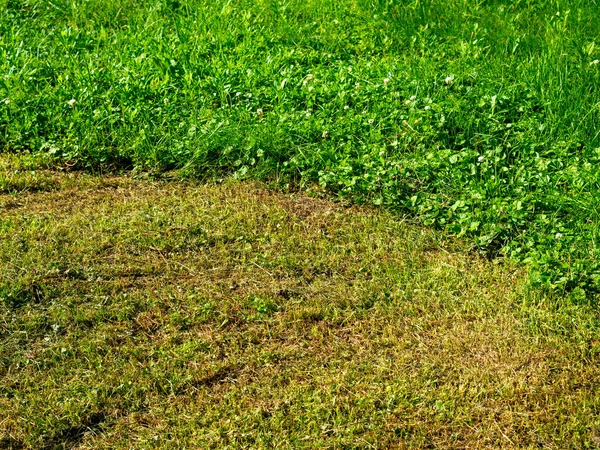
(173, 314)
(477, 117)
(446, 299)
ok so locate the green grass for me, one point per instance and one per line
(162, 314)
(477, 117)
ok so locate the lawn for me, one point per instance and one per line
(476, 117)
(299, 224)
(145, 313)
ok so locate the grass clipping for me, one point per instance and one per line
(176, 315)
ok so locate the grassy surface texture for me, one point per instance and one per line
(480, 117)
(145, 314)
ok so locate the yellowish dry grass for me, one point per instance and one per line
(147, 314)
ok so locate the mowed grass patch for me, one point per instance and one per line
(156, 314)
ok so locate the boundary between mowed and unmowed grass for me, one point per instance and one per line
(478, 118)
(161, 314)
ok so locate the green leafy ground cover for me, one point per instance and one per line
(479, 117)
(154, 314)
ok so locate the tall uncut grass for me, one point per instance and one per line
(479, 117)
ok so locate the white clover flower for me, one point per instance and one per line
(381, 153)
(481, 158)
(558, 235)
(427, 108)
(346, 107)
(386, 80)
(448, 80)
(308, 114)
(6, 101)
(357, 85)
(595, 62)
(237, 94)
(325, 134)
(71, 102)
(407, 102)
(371, 121)
(259, 112)
(413, 98)
(309, 77)
(311, 88)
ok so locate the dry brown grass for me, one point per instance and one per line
(139, 314)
